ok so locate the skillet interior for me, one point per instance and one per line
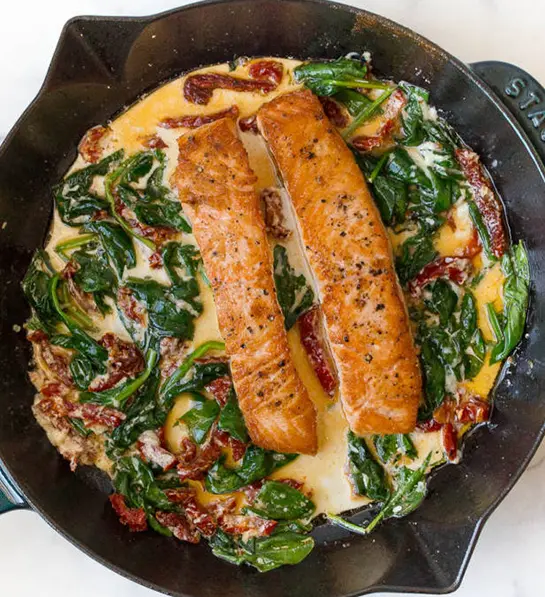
(102, 64)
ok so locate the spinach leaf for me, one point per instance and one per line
(141, 415)
(328, 78)
(188, 378)
(257, 463)
(135, 480)
(232, 420)
(117, 396)
(366, 474)
(137, 166)
(482, 230)
(515, 298)
(278, 501)
(201, 417)
(294, 294)
(264, 553)
(36, 286)
(367, 112)
(410, 491)
(471, 337)
(443, 300)
(95, 277)
(401, 166)
(116, 243)
(354, 101)
(176, 255)
(475, 355)
(415, 253)
(413, 116)
(392, 199)
(434, 380)
(162, 212)
(268, 553)
(393, 447)
(75, 200)
(171, 309)
(79, 427)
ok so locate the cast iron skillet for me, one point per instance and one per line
(102, 64)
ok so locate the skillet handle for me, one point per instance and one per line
(523, 96)
(11, 497)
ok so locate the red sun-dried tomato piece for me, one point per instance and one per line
(134, 518)
(194, 121)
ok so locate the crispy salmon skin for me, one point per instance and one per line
(349, 252)
(216, 188)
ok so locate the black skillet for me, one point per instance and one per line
(103, 64)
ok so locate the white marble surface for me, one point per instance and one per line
(507, 562)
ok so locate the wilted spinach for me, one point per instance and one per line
(257, 463)
(413, 116)
(515, 299)
(294, 294)
(200, 418)
(75, 200)
(392, 447)
(414, 254)
(366, 474)
(95, 276)
(279, 501)
(231, 419)
(176, 255)
(37, 288)
(116, 243)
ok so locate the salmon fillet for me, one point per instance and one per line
(349, 252)
(216, 188)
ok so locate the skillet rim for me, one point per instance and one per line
(415, 38)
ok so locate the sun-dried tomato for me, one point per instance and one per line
(224, 440)
(94, 414)
(194, 121)
(249, 526)
(455, 269)
(249, 124)
(220, 389)
(134, 518)
(197, 514)
(90, 147)
(275, 222)
(179, 525)
(334, 111)
(472, 410)
(450, 441)
(151, 450)
(313, 341)
(153, 142)
(197, 467)
(485, 199)
(198, 89)
(428, 426)
(155, 260)
(124, 360)
(267, 70)
(130, 306)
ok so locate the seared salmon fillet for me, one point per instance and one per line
(350, 255)
(216, 188)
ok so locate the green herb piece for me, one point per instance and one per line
(515, 299)
(76, 203)
(278, 501)
(116, 243)
(294, 294)
(73, 243)
(135, 480)
(367, 112)
(142, 414)
(201, 417)
(414, 254)
(410, 491)
(328, 78)
(365, 473)
(264, 553)
(171, 309)
(95, 277)
(175, 255)
(413, 116)
(79, 427)
(256, 464)
(37, 288)
(232, 420)
(353, 100)
(180, 381)
(118, 395)
(471, 337)
(482, 230)
(393, 447)
(434, 380)
(443, 300)
(391, 198)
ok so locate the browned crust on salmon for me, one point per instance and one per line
(216, 188)
(349, 252)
